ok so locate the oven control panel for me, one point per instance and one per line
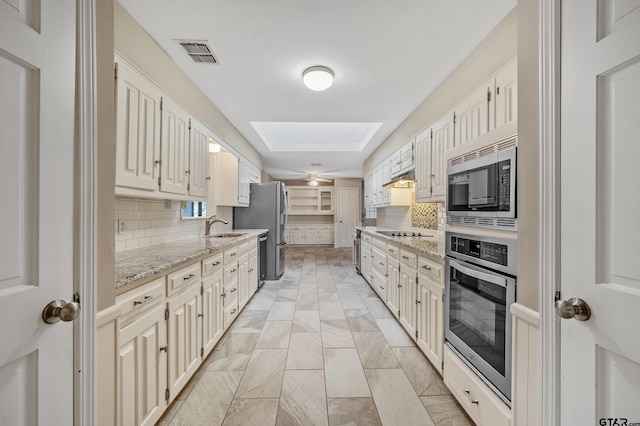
(484, 250)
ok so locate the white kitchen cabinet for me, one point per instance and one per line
(393, 285)
(141, 383)
(244, 181)
(431, 164)
(395, 164)
(504, 103)
(226, 179)
(185, 338)
(174, 174)
(199, 177)
(230, 286)
(430, 319)
(253, 268)
(472, 115)
(406, 156)
(243, 280)
(138, 132)
(305, 200)
(255, 175)
(296, 235)
(365, 260)
(381, 197)
(212, 302)
(407, 298)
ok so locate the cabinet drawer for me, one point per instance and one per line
(211, 264)
(231, 292)
(393, 251)
(380, 243)
(182, 278)
(139, 299)
(243, 247)
(253, 243)
(379, 260)
(230, 272)
(408, 258)
(366, 237)
(230, 255)
(230, 314)
(482, 405)
(430, 268)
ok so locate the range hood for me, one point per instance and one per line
(405, 180)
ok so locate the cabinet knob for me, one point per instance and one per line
(208, 178)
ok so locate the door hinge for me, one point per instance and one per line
(431, 133)
(201, 290)
(497, 90)
(161, 103)
(167, 394)
(201, 351)
(398, 312)
(488, 94)
(115, 71)
(188, 187)
(454, 118)
(158, 180)
(166, 314)
(189, 124)
(416, 334)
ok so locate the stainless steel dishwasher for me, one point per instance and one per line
(356, 250)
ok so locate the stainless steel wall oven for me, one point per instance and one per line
(480, 286)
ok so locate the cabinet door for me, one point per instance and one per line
(385, 193)
(393, 281)
(365, 261)
(212, 310)
(408, 299)
(472, 116)
(423, 162)
(142, 372)
(442, 138)
(175, 148)
(199, 160)
(297, 236)
(244, 183)
(243, 280)
(184, 338)
(395, 163)
(430, 325)
(138, 130)
(379, 283)
(226, 179)
(406, 156)
(253, 271)
(505, 99)
(325, 200)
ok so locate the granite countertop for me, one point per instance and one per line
(432, 247)
(144, 262)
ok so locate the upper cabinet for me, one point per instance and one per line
(472, 116)
(431, 145)
(161, 151)
(304, 200)
(232, 178)
(138, 131)
(401, 160)
(505, 97)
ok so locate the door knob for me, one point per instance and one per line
(60, 310)
(573, 308)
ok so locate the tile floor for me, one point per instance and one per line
(317, 347)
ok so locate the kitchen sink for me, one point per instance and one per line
(229, 235)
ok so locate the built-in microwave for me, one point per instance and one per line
(481, 191)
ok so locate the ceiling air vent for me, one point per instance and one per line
(199, 51)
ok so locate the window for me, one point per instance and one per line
(195, 209)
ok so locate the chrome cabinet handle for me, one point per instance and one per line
(143, 301)
(233, 270)
(216, 263)
(426, 267)
(468, 394)
(188, 277)
(573, 308)
(405, 257)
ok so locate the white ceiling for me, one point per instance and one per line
(387, 56)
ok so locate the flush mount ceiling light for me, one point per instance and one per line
(317, 78)
(213, 146)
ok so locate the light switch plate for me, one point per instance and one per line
(121, 226)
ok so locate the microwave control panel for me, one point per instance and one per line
(487, 251)
(504, 185)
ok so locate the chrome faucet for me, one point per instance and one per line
(210, 221)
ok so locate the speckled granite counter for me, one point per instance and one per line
(144, 262)
(432, 247)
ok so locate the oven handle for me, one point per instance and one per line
(478, 273)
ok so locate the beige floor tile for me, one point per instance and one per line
(328, 294)
(307, 301)
(344, 374)
(168, 415)
(287, 295)
(331, 311)
(209, 400)
(233, 353)
(306, 321)
(260, 302)
(395, 399)
(336, 334)
(275, 335)
(374, 350)
(361, 320)
(353, 412)
(305, 352)
(377, 309)
(424, 379)
(445, 411)
(263, 376)
(394, 333)
(250, 322)
(252, 412)
(282, 311)
(303, 400)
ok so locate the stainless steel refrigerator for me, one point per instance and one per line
(267, 209)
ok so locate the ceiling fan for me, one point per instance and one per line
(314, 179)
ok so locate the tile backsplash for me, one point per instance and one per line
(428, 215)
(149, 222)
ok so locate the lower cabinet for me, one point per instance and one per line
(185, 338)
(310, 234)
(407, 298)
(393, 285)
(243, 280)
(430, 317)
(212, 313)
(253, 269)
(142, 357)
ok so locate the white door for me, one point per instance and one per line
(37, 80)
(348, 207)
(600, 199)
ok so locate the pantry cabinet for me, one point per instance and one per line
(137, 131)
